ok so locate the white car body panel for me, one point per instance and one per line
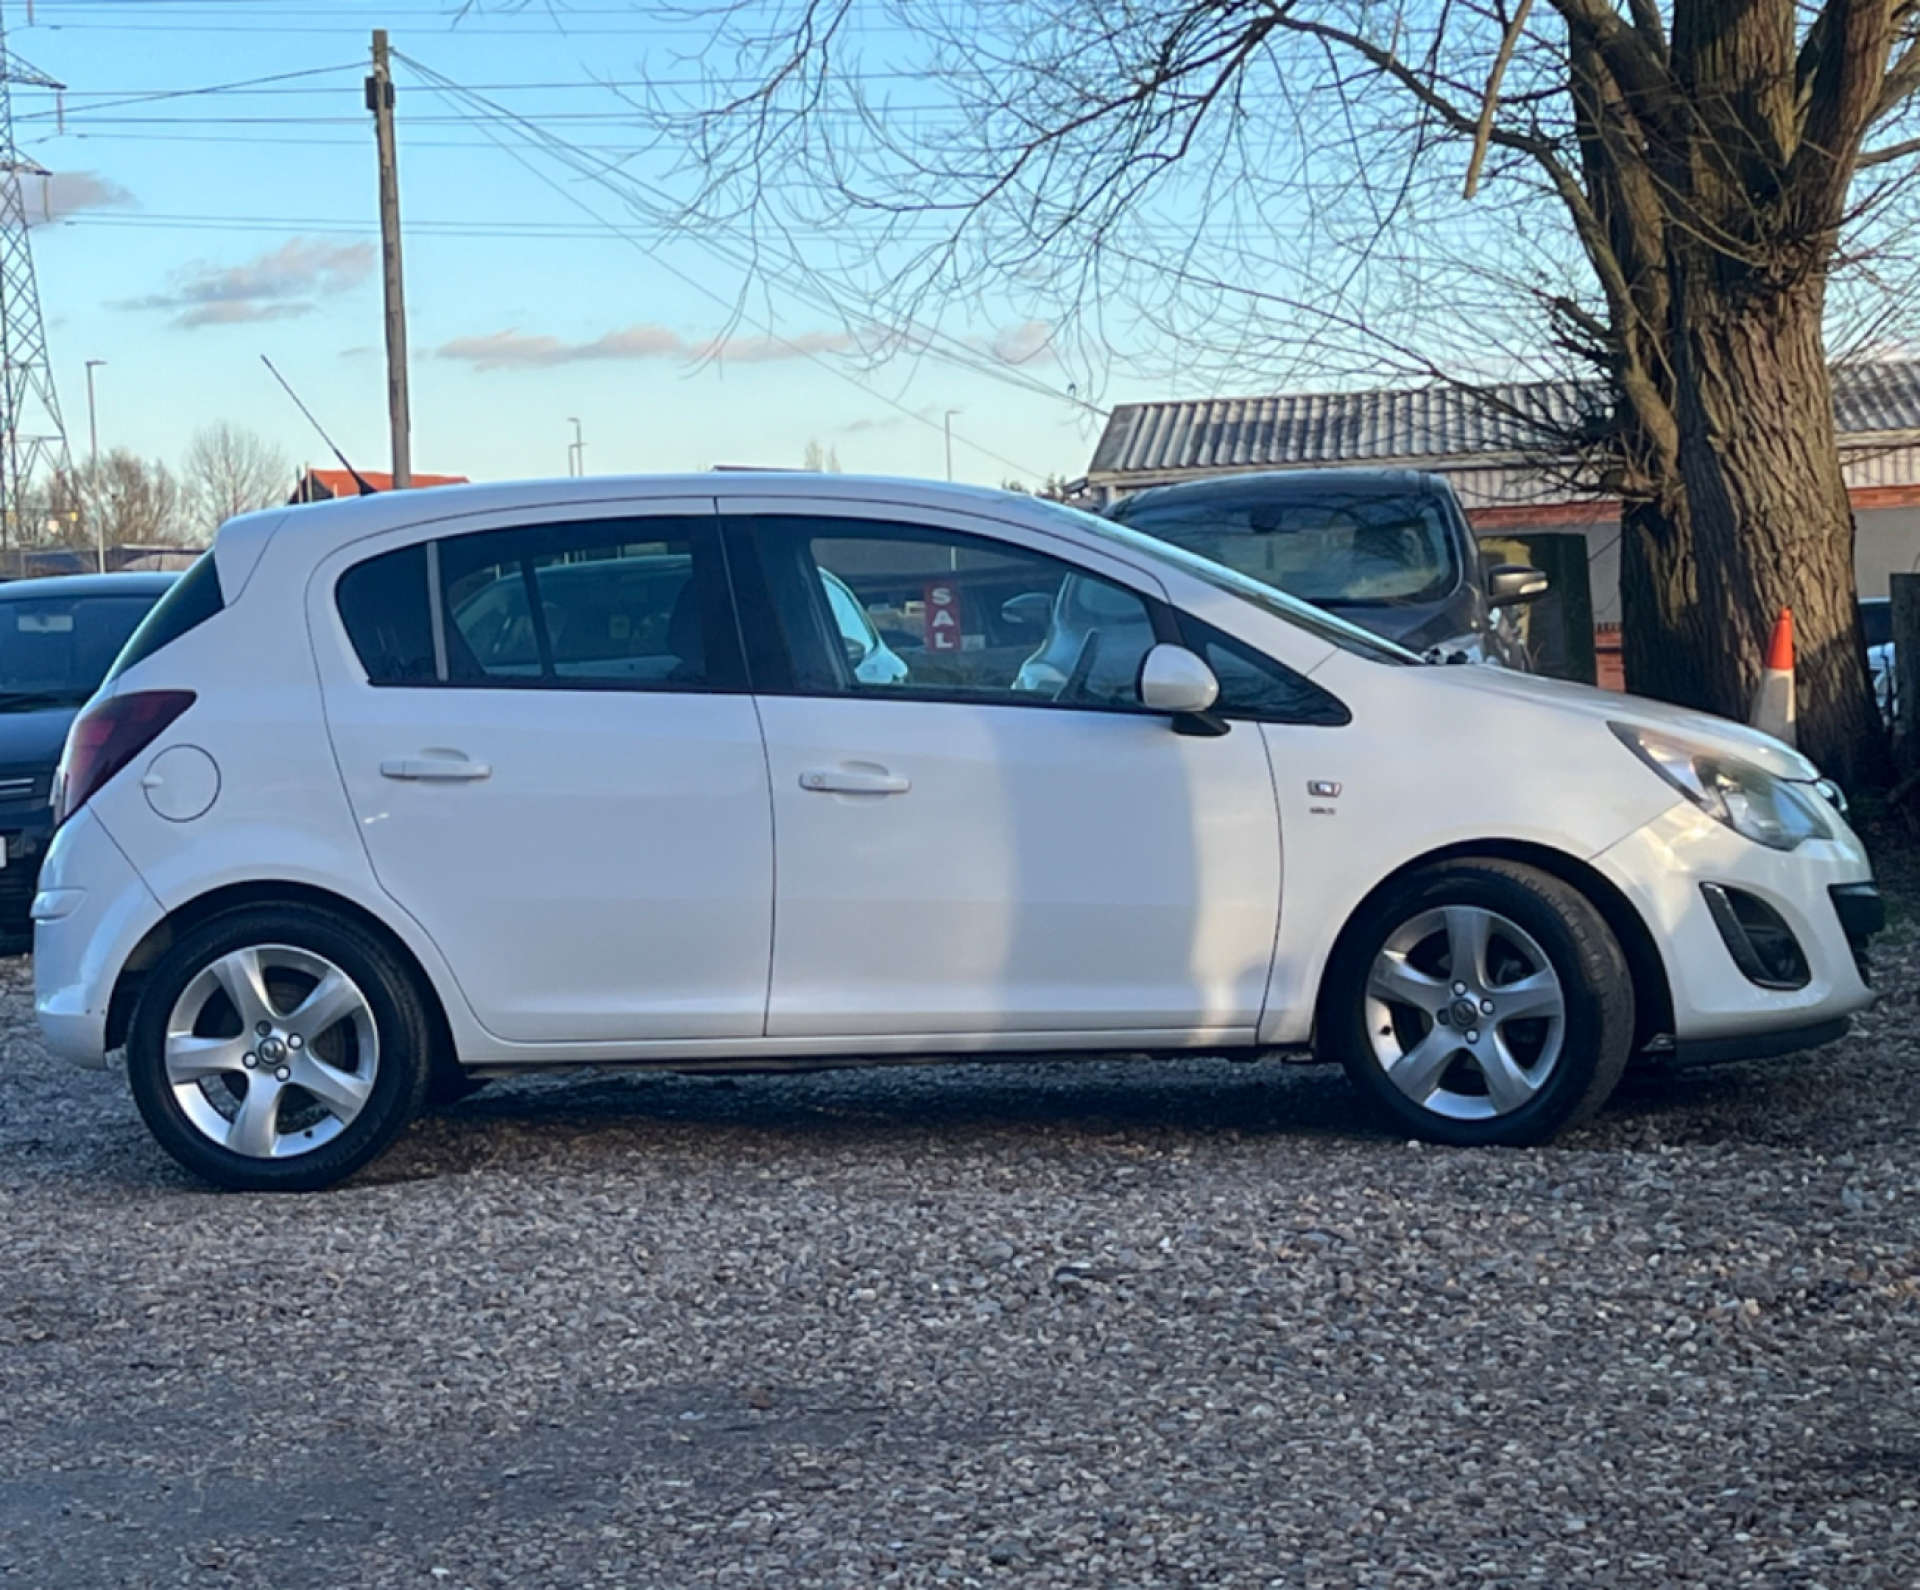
(1025, 893)
(605, 814)
(1044, 871)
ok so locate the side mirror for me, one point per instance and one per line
(1029, 610)
(1511, 584)
(1174, 680)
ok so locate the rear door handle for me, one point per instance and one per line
(434, 769)
(846, 781)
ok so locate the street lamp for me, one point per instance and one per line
(947, 423)
(576, 451)
(93, 466)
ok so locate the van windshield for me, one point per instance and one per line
(1329, 627)
(1355, 549)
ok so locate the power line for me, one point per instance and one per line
(662, 211)
(189, 93)
(448, 88)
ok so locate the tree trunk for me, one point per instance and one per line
(1759, 520)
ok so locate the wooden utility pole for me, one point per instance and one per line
(399, 417)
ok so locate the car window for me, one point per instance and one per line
(635, 604)
(962, 617)
(1253, 685)
(55, 650)
(383, 603)
(186, 604)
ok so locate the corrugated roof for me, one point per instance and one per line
(1434, 422)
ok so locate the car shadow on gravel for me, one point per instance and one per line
(963, 1103)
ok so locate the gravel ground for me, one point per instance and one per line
(1101, 1323)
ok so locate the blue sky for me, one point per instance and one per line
(192, 234)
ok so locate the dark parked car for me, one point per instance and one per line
(58, 638)
(1389, 549)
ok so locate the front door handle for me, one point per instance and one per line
(848, 781)
(434, 769)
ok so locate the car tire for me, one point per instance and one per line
(369, 1064)
(1546, 986)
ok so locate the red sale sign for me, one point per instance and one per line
(942, 616)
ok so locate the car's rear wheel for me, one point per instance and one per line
(1482, 1002)
(278, 1049)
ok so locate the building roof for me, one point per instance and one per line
(1421, 423)
(317, 485)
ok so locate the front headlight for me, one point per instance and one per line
(1751, 801)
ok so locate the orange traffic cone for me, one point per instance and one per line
(1773, 701)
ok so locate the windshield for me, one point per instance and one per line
(1356, 548)
(1269, 599)
(55, 650)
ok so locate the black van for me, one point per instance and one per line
(1386, 548)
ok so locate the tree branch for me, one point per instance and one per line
(1487, 106)
(1848, 78)
(1880, 156)
(1644, 79)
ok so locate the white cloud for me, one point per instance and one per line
(514, 349)
(55, 197)
(278, 285)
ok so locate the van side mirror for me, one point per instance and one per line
(1512, 584)
(1174, 680)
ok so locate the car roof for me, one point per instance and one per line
(70, 585)
(1273, 485)
(322, 526)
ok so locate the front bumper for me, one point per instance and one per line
(1823, 893)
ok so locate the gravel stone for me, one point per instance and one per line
(1115, 1322)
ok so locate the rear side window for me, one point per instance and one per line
(383, 603)
(622, 604)
(192, 600)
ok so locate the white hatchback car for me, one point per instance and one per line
(336, 833)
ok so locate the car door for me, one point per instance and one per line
(988, 841)
(557, 770)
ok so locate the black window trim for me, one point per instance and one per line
(726, 665)
(1188, 636)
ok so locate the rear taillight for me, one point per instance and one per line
(105, 738)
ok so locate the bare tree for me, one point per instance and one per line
(122, 500)
(821, 460)
(230, 470)
(1678, 202)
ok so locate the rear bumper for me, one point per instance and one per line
(90, 912)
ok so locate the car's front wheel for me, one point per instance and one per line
(1482, 1002)
(278, 1049)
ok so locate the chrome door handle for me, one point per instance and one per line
(844, 781)
(434, 769)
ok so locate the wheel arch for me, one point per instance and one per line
(1652, 993)
(255, 892)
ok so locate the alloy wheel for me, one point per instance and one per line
(1465, 1013)
(271, 1051)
